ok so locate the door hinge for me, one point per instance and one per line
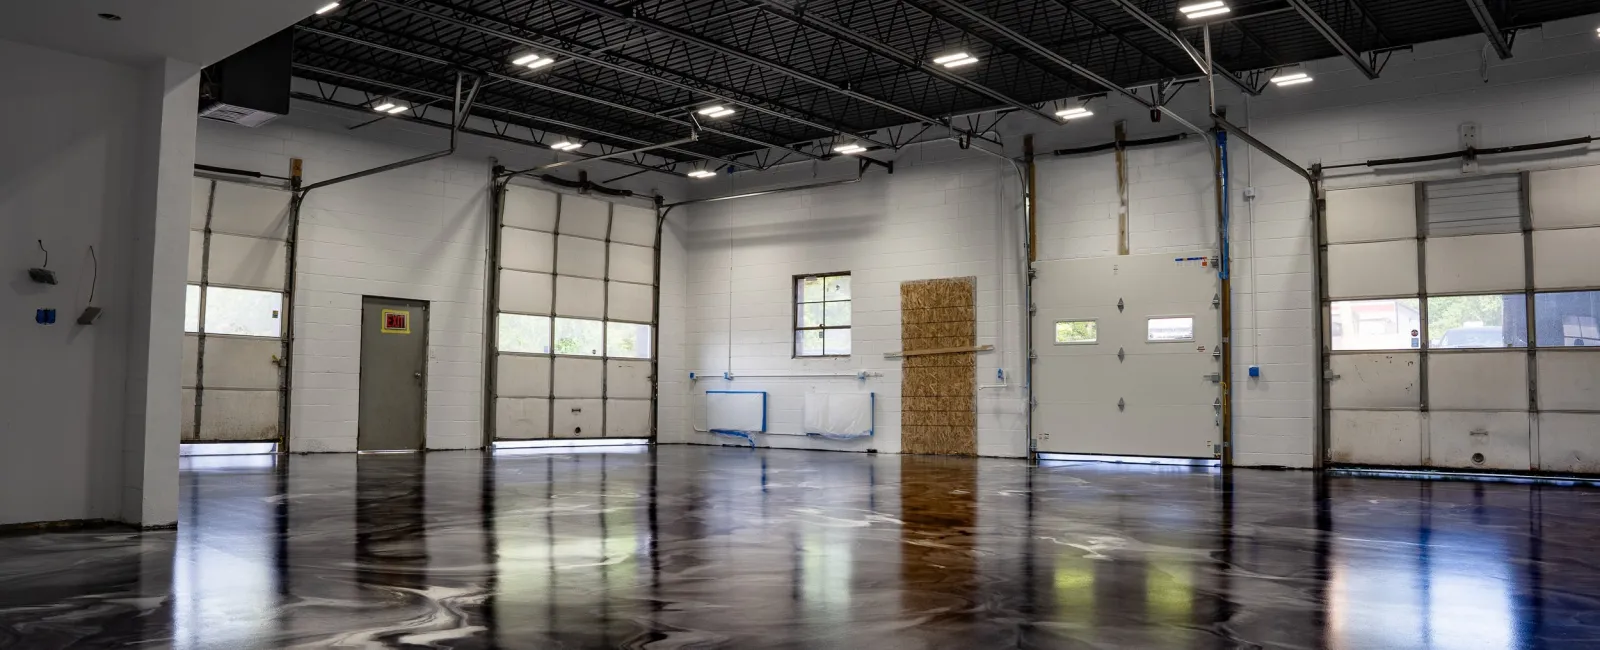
(1033, 309)
(1215, 377)
(1328, 374)
(1121, 405)
(1119, 304)
(1120, 354)
(1216, 300)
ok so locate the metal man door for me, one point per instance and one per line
(1127, 356)
(394, 373)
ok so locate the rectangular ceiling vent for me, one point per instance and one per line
(237, 114)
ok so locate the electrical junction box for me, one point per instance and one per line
(1255, 372)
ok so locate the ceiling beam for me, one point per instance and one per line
(1064, 62)
(732, 52)
(564, 93)
(839, 32)
(1333, 37)
(1491, 29)
(1173, 37)
(751, 104)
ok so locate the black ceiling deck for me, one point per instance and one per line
(803, 71)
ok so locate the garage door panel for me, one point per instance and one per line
(633, 225)
(521, 418)
(578, 256)
(529, 208)
(1144, 431)
(1501, 438)
(632, 264)
(578, 418)
(1376, 381)
(247, 262)
(1475, 264)
(1375, 437)
(1134, 279)
(578, 377)
(628, 379)
(524, 292)
(1146, 380)
(1478, 380)
(1372, 213)
(239, 414)
(580, 297)
(627, 418)
(584, 217)
(1564, 197)
(239, 209)
(1569, 442)
(522, 376)
(630, 302)
(1371, 270)
(527, 250)
(1565, 258)
(241, 363)
(1569, 380)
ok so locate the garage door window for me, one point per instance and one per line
(1568, 319)
(1387, 324)
(523, 333)
(1495, 321)
(1077, 332)
(1169, 329)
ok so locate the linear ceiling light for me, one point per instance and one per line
(716, 111)
(566, 145)
(956, 60)
(702, 173)
(1203, 9)
(1291, 79)
(849, 148)
(533, 61)
(327, 8)
(384, 107)
(1078, 112)
(396, 109)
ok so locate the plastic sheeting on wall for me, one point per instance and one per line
(839, 415)
(736, 410)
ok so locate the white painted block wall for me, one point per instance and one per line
(418, 232)
(943, 213)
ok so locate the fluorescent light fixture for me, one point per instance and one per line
(562, 444)
(327, 8)
(849, 148)
(1133, 460)
(566, 145)
(956, 60)
(533, 61)
(1204, 9)
(384, 107)
(716, 111)
(1291, 79)
(1074, 113)
(227, 448)
(397, 109)
(702, 173)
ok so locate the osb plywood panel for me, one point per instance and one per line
(938, 391)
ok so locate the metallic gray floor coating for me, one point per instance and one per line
(704, 547)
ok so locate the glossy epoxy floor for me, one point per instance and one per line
(704, 547)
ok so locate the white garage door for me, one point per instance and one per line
(1430, 357)
(1127, 361)
(235, 313)
(575, 311)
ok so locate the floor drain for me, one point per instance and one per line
(1477, 459)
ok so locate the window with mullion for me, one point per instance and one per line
(822, 315)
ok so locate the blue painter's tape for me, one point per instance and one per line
(736, 434)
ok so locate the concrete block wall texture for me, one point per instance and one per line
(944, 213)
(419, 232)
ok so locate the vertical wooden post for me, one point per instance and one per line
(1032, 199)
